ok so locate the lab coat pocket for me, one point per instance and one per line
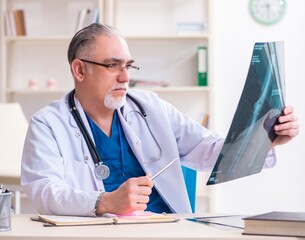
(79, 175)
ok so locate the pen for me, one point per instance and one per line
(163, 169)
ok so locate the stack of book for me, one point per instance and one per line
(276, 224)
(14, 22)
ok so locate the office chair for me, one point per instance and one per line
(190, 178)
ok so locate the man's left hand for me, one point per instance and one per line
(287, 127)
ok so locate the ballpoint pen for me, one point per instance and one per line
(163, 169)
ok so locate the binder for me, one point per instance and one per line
(202, 66)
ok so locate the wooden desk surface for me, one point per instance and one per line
(9, 175)
(23, 228)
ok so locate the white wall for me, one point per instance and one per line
(233, 35)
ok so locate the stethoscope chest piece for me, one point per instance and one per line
(101, 171)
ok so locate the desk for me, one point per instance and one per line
(9, 176)
(24, 229)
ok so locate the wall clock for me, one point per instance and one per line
(267, 12)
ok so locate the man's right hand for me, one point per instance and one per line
(132, 195)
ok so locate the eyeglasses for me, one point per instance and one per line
(115, 67)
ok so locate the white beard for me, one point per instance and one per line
(114, 102)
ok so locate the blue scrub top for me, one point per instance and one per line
(116, 153)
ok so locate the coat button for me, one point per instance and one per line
(77, 134)
(86, 158)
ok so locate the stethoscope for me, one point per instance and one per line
(101, 171)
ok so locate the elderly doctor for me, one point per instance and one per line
(61, 173)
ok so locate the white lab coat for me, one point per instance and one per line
(58, 171)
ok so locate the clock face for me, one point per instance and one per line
(267, 11)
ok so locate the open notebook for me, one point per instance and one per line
(135, 218)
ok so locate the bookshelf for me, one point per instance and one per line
(154, 29)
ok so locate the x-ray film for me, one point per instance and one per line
(251, 133)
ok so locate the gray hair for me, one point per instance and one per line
(83, 41)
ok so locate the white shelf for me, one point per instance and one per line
(36, 91)
(176, 89)
(154, 89)
(29, 39)
(34, 39)
(182, 36)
